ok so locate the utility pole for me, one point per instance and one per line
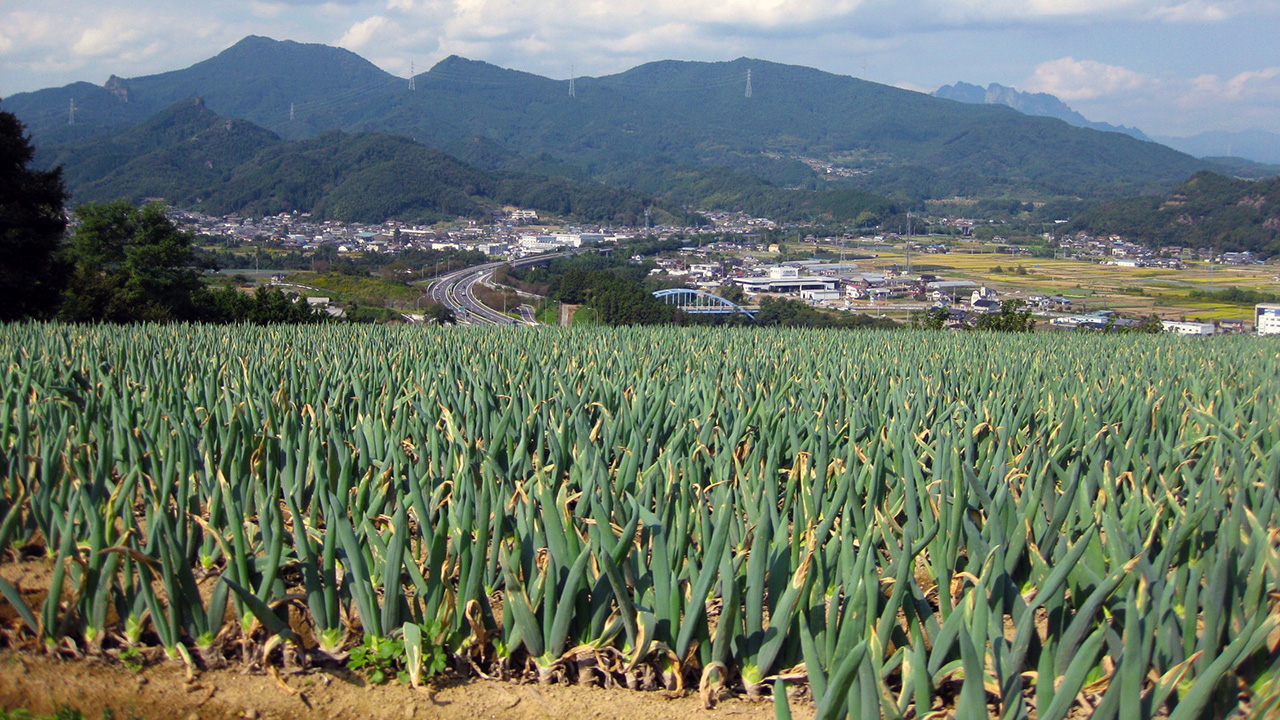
(908, 246)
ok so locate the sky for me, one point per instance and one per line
(1168, 67)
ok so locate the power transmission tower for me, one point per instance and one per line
(573, 90)
(748, 83)
(412, 80)
(71, 117)
(290, 112)
(647, 224)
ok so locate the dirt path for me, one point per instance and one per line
(43, 684)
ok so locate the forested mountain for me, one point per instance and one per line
(1209, 210)
(1257, 145)
(683, 123)
(189, 156)
(1028, 103)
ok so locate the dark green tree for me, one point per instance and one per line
(733, 292)
(264, 307)
(1150, 324)
(440, 314)
(931, 319)
(1014, 316)
(130, 265)
(31, 228)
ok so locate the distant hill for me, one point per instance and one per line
(1256, 145)
(191, 157)
(1259, 149)
(679, 121)
(1209, 210)
(1039, 104)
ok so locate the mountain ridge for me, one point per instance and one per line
(1259, 146)
(192, 157)
(622, 128)
(1207, 211)
(1029, 103)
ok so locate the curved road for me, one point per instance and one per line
(455, 290)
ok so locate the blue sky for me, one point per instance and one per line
(1169, 67)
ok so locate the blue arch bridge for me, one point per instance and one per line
(700, 302)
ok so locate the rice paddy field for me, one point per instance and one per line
(856, 524)
(1135, 292)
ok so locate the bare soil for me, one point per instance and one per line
(99, 687)
(43, 684)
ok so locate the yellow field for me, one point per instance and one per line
(1131, 291)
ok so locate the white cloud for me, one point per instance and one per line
(267, 10)
(913, 87)
(359, 35)
(1248, 86)
(1072, 79)
(979, 13)
(1192, 12)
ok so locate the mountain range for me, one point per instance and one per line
(1224, 148)
(1208, 210)
(683, 131)
(191, 157)
(1040, 104)
(1256, 145)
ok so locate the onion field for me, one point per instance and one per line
(888, 524)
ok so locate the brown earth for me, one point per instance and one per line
(43, 684)
(162, 690)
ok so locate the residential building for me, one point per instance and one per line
(1266, 319)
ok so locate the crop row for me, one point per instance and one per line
(907, 522)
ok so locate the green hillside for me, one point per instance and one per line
(192, 157)
(626, 129)
(1209, 210)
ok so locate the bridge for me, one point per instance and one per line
(699, 302)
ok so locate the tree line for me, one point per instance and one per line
(119, 264)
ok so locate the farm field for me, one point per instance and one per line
(881, 523)
(1136, 292)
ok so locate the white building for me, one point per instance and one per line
(1188, 328)
(820, 295)
(1266, 319)
(784, 279)
(983, 293)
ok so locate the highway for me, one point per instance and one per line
(456, 291)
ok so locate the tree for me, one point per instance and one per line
(931, 319)
(31, 228)
(130, 265)
(733, 292)
(1150, 324)
(1014, 316)
(440, 314)
(264, 307)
